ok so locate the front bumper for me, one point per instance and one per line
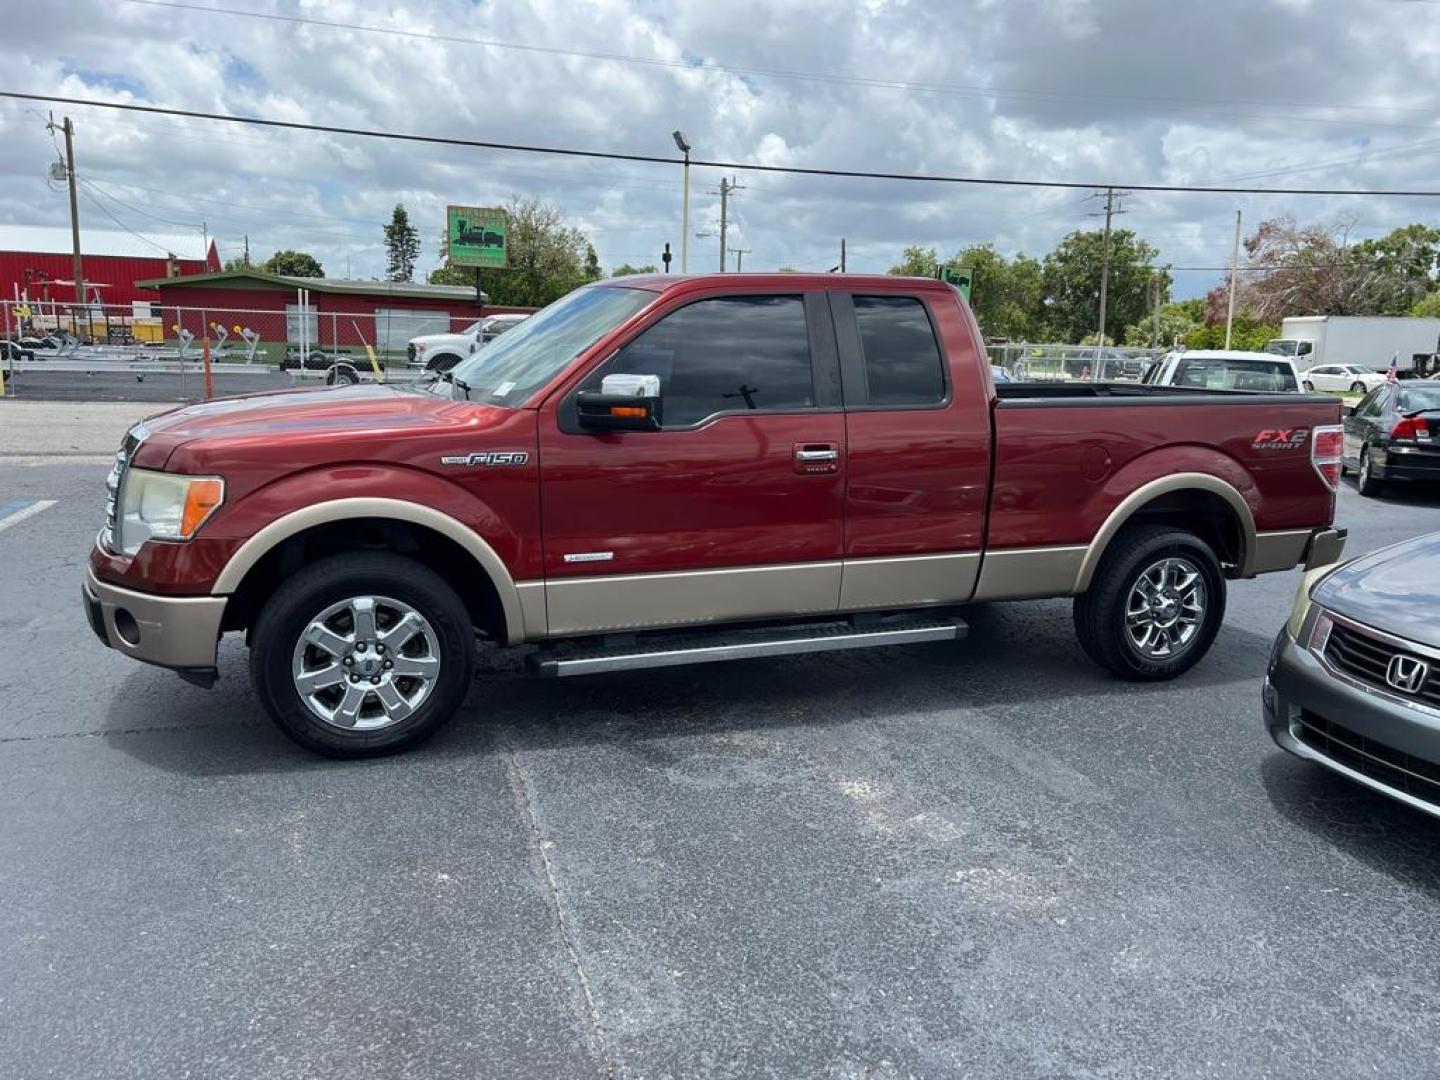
(1378, 741)
(179, 632)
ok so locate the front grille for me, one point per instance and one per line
(113, 481)
(1393, 768)
(1368, 658)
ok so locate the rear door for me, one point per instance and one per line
(1362, 425)
(917, 427)
(735, 509)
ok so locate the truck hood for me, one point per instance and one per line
(1396, 589)
(421, 340)
(355, 411)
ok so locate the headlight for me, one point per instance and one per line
(164, 506)
(1301, 607)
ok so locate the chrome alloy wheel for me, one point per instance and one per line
(366, 663)
(1165, 608)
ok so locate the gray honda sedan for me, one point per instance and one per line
(1354, 677)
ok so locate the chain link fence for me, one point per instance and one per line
(1026, 361)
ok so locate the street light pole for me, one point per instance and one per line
(1234, 265)
(684, 147)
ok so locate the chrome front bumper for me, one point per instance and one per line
(178, 632)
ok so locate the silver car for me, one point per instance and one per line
(1354, 677)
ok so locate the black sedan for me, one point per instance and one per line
(1394, 434)
(1354, 677)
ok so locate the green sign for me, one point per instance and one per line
(960, 277)
(477, 236)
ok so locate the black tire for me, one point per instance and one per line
(303, 596)
(1365, 482)
(1357, 387)
(1100, 613)
(1309, 387)
(443, 362)
(342, 375)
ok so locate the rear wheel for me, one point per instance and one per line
(361, 654)
(1309, 387)
(1357, 387)
(1366, 482)
(1154, 606)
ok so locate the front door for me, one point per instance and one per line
(735, 509)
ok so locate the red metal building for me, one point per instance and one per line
(35, 263)
(341, 313)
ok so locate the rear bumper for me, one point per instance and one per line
(179, 632)
(1406, 463)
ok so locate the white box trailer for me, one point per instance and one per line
(1366, 340)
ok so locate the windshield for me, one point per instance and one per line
(1419, 399)
(518, 363)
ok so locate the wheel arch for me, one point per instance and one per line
(435, 537)
(1224, 517)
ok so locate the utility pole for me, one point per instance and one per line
(1155, 302)
(842, 254)
(247, 252)
(77, 269)
(1234, 269)
(727, 188)
(740, 254)
(1111, 195)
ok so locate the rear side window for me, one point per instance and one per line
(730, 354)
(902, 357)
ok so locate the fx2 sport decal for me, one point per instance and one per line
(487, 457)
(1281, 438)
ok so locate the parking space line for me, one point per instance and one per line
(17, 510)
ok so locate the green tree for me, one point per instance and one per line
(592, 263)
(625, 270)
(1007, 296)
(1071, 280)
(1428, 307)
(293, 264)
(917, 262)
(1396, 270)
(402, 246)
(240, 262)
(1178, 321)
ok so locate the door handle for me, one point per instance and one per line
(817, 455)
(812, 458)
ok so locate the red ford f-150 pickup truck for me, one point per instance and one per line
(661, 470)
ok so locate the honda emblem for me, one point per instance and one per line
(1407, 673)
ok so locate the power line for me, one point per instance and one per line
(737, 166)
(804, 76)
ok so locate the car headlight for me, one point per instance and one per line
(1301, 607)
(164, 506)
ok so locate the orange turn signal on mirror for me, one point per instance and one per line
(629, 410)
(201, 499)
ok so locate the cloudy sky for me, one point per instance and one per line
(1292, 93)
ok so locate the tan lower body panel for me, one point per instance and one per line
(908, 581)
(647, 601)
(1029, 573)
(172, 631)
(1279, 550)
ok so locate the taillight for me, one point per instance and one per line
(1411, 428)
(1327, 446)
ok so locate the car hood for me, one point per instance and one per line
(1396, 589)
(435, 339)
(368, 412)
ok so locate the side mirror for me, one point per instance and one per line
(623, 403)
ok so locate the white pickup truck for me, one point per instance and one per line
(441, 352)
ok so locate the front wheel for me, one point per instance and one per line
(1309, 387)
(361, 654)
(1154, 606)
(1357, 387)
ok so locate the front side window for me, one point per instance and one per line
(1371, 405)
(729, 354)
(902, 358)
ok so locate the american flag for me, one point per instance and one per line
(1391, 374)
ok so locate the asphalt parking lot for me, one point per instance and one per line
(976, 859)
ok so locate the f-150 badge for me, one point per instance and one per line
(488, 457)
